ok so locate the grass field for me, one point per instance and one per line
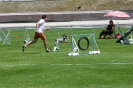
(35, 68)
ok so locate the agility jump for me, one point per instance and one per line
(83, 43)
(5, 35)
(123, 39)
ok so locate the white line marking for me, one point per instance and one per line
(13, 65)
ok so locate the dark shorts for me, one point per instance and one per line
(39, 35)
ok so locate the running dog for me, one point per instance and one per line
(59, 40)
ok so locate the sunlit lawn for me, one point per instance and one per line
(35, 68)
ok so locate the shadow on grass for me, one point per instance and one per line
(31, 53)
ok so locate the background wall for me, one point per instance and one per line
(61, 10)
(59, 16)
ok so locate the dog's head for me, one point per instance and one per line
(65, 38)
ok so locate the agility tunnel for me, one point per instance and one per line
(123, 39)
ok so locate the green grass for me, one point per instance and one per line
(35, 68)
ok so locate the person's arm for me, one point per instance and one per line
(47, 28)
(37, 25)
(113, 27)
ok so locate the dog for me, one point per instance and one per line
(59, 40)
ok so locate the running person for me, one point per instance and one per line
(40, 27)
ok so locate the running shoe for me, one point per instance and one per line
(48, 50)
(23, 48)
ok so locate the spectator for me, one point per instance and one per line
(108, 31)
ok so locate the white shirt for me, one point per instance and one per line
(41, 26)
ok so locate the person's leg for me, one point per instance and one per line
(102, 33)
(31, 42)
(110, 33)
(43, 37)
(45, 43)
(36, 37)
(107, 33)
